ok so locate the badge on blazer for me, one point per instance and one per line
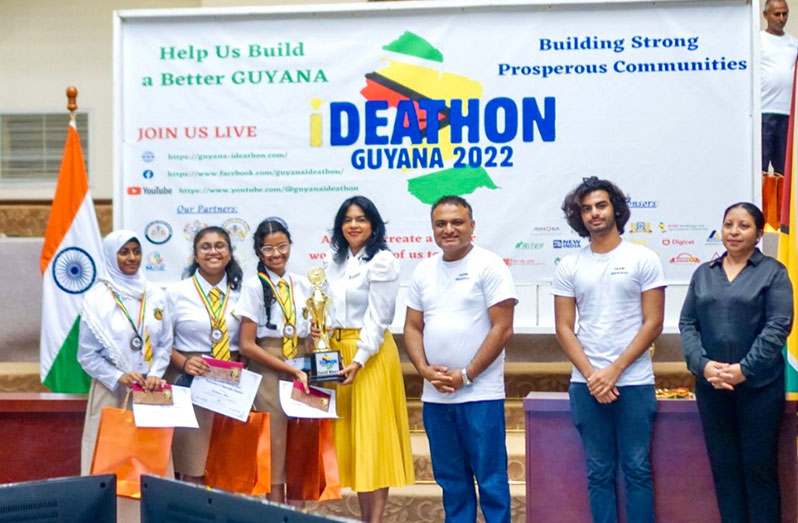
(158, 314)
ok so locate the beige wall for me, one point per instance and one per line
(46, 45)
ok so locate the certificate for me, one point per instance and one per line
(230, 399)
(179, 414)
(298, 409)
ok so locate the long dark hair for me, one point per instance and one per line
(572, 205)
(232, 269)
(377, 241)
(265, 228)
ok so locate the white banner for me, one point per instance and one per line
(230, 117)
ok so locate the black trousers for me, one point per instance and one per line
(741, 431)
(774, 141)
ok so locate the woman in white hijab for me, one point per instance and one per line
(125, 336)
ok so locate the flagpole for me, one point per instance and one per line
(72, 103)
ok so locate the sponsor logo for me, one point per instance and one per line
(192, 228)
(546, 229)
(529, 246)
(519, 262)
(713, 238)
(207, 209)
(148, 156)
(639, 241)
(638, 227)
(155, 263)
(557, 261)
(566, 244)
(677, 241)
(690, 227)
(134, 191)
(158, 232)
(148, 174)
(685, 257)
(236, 228)
(643, 204)
(662, 227)
(715, 256)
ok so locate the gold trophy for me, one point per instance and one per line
(324, 363)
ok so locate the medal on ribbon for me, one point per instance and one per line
(286, 302)
(137, 341)
(216, 315)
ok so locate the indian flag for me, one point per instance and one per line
(71, 261)
(788, 249)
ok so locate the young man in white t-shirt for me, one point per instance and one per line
(459, 317)
(618, 289)
(777, 64)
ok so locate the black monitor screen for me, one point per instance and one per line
(63, 500)
(168, 501)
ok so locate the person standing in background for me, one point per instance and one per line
(778, 54)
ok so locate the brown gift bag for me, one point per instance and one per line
(129, 451)
(771, 200)
(311, 466)
(239, 456)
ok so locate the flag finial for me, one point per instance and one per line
(72, 102)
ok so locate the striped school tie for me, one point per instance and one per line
(220, 349)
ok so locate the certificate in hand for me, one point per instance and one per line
(230, 399)
(224, 370)
(303, 407)
(179, 414)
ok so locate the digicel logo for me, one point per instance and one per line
(134, 191)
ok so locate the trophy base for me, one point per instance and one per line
(324, 366)
(325, 379)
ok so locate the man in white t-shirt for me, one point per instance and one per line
(778, 53)
(618, 289)
(459, 317)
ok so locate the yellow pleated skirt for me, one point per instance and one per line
(372, 434)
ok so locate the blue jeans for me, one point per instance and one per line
(617, 432)
(467, 440)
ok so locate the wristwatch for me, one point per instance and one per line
(466, 382)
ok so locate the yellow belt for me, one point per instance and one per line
(345, 334)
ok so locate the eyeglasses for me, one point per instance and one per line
(208, 247)
(268, 250)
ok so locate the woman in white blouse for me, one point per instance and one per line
(273, 333)
(201, 309)
(372, 435)
(124, 334)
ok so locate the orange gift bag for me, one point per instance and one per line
(311, 466)
(771, 201)
(129, 451)
(239, 457)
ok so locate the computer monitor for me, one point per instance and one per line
(62, 500)
(169, 501)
